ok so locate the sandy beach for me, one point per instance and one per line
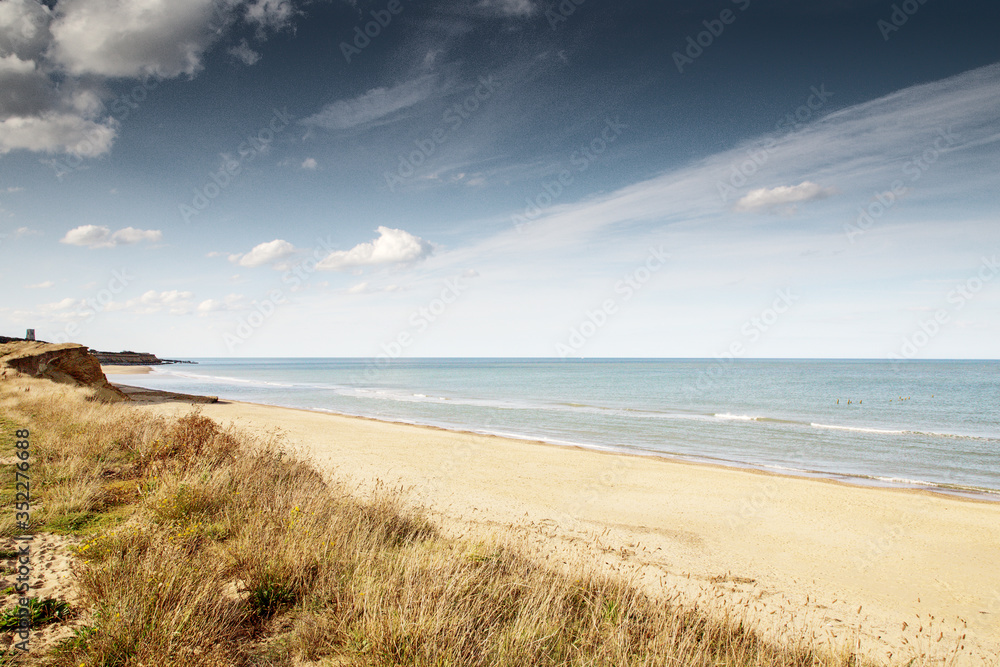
(898, 573)
(125, 370)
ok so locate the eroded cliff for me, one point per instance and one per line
(68, 363)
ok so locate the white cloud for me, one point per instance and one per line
(131, 39)
(274, 14)
(264, 253)
(39, 116)
(88, 235)
(53, 61)
(112, 38)
(64, 304)
(231, 302)
(94, 236)
(42, 285)
(24, 28)
(21, 232)
(130, 235)
(360, 288)
(367, 288)
(768, 199)
(14, 189)
(64, 310)
(243, 52)
(209, 306)
(24, 89)
(175, 302)
(393, 246)
(36, 114)
(170, 297)
(372, 106)
(309, 163)
(54, 132)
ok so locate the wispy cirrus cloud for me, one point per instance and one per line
(858, 151)
(373, 106)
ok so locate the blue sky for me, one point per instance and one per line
(750, 178)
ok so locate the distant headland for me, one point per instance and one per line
(123, 358)
(129, 358)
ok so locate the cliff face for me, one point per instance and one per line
(68, 363)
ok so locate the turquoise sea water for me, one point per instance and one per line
(928, 424)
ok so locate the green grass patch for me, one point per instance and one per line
(40, 612)
(74, 523)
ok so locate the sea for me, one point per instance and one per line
(917, 424)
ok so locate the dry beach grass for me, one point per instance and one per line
(202, 545)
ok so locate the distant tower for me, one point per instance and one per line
(30, 335)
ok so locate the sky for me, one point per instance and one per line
(491, 178)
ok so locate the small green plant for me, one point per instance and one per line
(41, 612)
(270, 597)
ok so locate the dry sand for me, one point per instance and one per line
(114, 369)
(899, 573)
(51, 566)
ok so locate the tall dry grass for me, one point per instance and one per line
(211, 546)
